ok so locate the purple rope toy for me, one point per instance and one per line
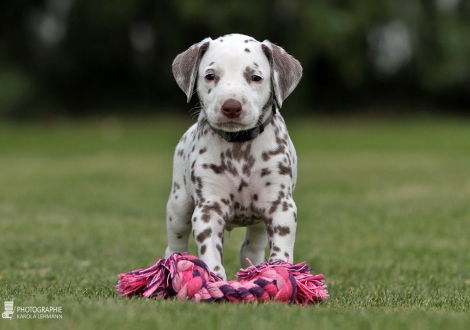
(188, 278)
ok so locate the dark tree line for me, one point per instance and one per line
(77, 56)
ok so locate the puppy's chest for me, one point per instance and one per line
(233, 176)
(232, 171)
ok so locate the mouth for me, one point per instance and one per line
(231, 126)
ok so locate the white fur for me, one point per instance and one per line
(232, 83)
(219, 185)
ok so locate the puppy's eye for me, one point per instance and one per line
(210, 77)
(256, 78)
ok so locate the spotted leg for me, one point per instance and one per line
(253, 245)
(281, 226)
(208, 230)
(178, 223)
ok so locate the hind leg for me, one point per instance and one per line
(254, 244)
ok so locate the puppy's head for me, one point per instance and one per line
(237, 78)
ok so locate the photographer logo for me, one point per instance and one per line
(9, 310)
(31, 312)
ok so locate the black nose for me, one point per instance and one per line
(232, 108)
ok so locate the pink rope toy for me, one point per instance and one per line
(188, 278)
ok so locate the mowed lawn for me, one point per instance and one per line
(384, 214)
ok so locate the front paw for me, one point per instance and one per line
(219, 271)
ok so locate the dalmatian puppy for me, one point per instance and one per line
(236, 167)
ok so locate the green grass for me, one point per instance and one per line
(384, 213)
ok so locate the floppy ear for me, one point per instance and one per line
(186, 65)
(286, 71)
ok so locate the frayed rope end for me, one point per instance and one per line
(188, 278)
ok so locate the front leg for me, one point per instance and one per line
(178, 221)
(281, 224)
(208, 229)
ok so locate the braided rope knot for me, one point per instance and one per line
(188, 278)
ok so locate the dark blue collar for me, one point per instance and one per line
(249, 134)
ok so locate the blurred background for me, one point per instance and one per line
(76, 57)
